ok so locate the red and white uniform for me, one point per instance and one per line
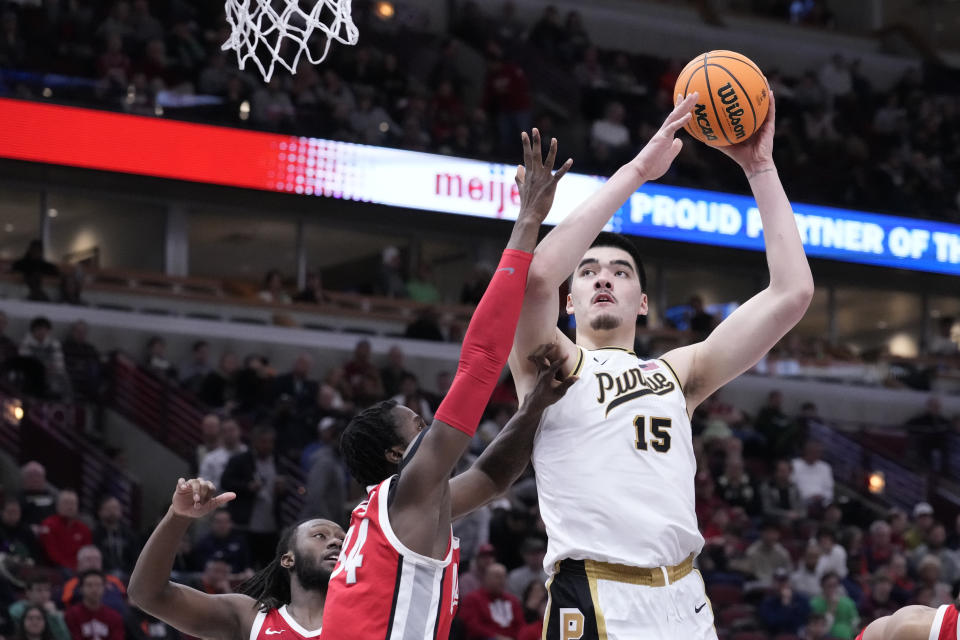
(380, 589)
(944, 625)
(277, 624)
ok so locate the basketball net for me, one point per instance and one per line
(276, 32)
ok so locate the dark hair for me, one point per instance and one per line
(827, 576)
(90, 572)
(366, 439)
(270, 586)
(827, 531)
(40, 322)
(620, 241)
(200, 344)
(21, 630)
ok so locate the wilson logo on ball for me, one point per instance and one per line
(734, 111)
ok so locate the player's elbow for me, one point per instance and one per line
(796, 300)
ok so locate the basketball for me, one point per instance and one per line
(734, 97)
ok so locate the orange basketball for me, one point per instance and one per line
(734, 97)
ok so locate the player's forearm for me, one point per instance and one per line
(507, 456)
(786, 260)
(524, 234)
(556, 256)
(150, 578)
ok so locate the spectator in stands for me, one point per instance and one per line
(897, 519)
(534, 609)
(326, 483)
(40, 345)
(35, 623)
(370, 122)
(953, 540)
(880, 600)
(425, 327)
(114, 592)
(943, 344)
(37, 496)
(273, 291)
(71, 285)
(931, 583)
(255, 477)
(90, 619)
(219, 388)
(736, 488)
(16, 537)
(472, 580)
(360, 369)
(548, 33)
(492, 611)
(506, 95)
(8, 348)
(213, 464)
(411, 397)
(806, 578)
(935, 546)
(209, 437)
(784, 610)
(193, 372)
(37, 595)
(116, 541)
(82, 362)
(63, 534)
(215, 579)
(922, 523)
(817, 628)
(928, 431)
(880, 548)
(296, 386)
(836, 607)
(771, 422)
(813, 476)
(609, 137)
(835, 77)
(497, 416)
(532, 550)
(780, 496)
(393, 373)
(390, 281)
(33, 267)
(766, 555)
(903, 585)
(472, 26)
(225, 544)
(575, 39)
(423, 287)
(312, 292)
(833, 557)
(155, 361)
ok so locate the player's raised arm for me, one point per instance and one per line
(501, 463)
(556, 256)
(486, 345)
(753, 329)
(191, 611)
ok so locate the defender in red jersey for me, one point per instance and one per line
(915, 623)
(396, 578)
(284, 599)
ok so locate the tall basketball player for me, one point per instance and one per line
(397, 575)
(285, 597)
(614, 459)
(915, 623)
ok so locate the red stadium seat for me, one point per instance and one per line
(724, 595)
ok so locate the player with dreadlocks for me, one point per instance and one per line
(397, 576)
(287, 596)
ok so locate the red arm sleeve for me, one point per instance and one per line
(487, 344)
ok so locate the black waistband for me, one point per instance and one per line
(574, 567)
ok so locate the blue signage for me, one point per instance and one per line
(726, 220)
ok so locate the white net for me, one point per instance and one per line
(278, 32)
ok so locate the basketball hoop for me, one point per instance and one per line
(272, 32)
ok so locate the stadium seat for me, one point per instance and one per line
(723, 595)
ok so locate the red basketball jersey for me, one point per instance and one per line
(381, 590)
(945, 624)
(277, 624)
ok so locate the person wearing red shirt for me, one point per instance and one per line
(91, 619)
(62, 535)
(492, 612)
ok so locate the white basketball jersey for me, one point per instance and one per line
(615, 465)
